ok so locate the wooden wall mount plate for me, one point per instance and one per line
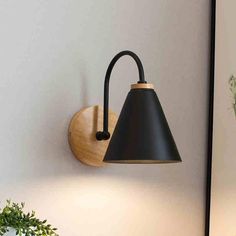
(82, 135)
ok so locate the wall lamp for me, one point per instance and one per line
(141, 134)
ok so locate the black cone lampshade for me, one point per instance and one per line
(142, 134)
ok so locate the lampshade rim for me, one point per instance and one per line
(142, 161)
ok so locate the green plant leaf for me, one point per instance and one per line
(13, 216)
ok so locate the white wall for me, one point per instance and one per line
(53, 58)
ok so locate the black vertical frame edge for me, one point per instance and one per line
(210, 122)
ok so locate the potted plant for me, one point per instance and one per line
(13, 221)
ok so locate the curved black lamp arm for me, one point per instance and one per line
(104, 135)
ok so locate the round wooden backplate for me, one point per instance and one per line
(82, 135)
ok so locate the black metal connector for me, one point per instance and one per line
(101, 135)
